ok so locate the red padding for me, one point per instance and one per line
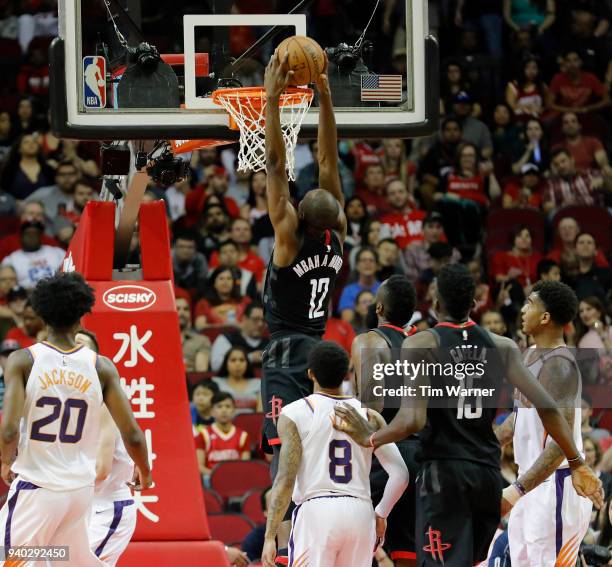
(174, 553)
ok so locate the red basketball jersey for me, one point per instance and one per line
(221, 446)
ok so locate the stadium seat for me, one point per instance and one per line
(251, 506)
(213, 502)
(183, 553)
(231, 529)
(502, 222)
(232, 479)
(597, 221)
(8, 225)
(252, 423)
(194, 377)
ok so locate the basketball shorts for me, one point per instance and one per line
(111, 526)
(547, 524)
(400, 537)
(458, 511)
(36, 516)
(284, 376)
(332, 531)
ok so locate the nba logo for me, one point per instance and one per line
(94, 81)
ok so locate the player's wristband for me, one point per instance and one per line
(513, 493)
(577, 460)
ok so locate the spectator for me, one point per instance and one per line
(366, 267)
(519, 14)
(201, 404)
(527, 93)
(25, 170)
(190, 266)
(253, 543)
(242, 235)
(527, 193)
(364, 299)
(548, 271)
(35, 260)
(216, 183)
(535, 150)
(33, 78)
(518, 264)
(26, 120)
(228, 258)
(340, 332)
(16, 300)
(388, 259)
(506, 134)
(8, 280)
(591, 279)
(568, 187)
(567, 232)
(576, 90)
(221, 441)
(356, 216)
(215, 228)
(202, 163)
(363, 153)
(396, 164)
(454, 81)
(441, 254)
(493, 321)
(196, 347)
(416, 256)
(373, 192)
(83, 194)
(57, 197)
(250, 337)
(236, 376)
(6, 134)
(439, 160)
(591, 328)
(33, 210)
(473, 130)
(588, 152)
(32, 330)
(586, 407)
(404, 222)
(257, 200)
(482, 295)
(592, 457)
(77, 154)
(222, 303)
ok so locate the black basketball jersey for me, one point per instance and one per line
(296, 298)
(463, 429)
(394, 337)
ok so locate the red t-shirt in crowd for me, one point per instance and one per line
(513, 190)
(471, 188)
(504, 260)
(195, 201)
(221, 314)
(252, 262)
(584, 152)
(375, 203)
(19, 335)
(340, 332)
(221, 446)
(364, 156)
(12, 242)
(576, 95)
(404, 228)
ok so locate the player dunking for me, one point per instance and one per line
(459, 487)
(306, 259)
(334, 524)
(548, 520)
(113, 515)
(394, 302)
(57, 389)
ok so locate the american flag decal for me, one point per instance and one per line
(376, 88)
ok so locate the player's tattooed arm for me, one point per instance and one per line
(368, 349)
(289, 463)
(505, 430)
(560, 379)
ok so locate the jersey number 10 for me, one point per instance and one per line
(56, 405)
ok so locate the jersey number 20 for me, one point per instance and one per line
(56, 411)
(340, 462)
(318, 292)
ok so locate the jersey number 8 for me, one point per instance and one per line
(343, 462)
(81, 405)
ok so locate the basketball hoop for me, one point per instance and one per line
(247, 106)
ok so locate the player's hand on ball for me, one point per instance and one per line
(588, 485)
(381, 528)
(140, 480)
(268, 555)
(353, 424)
(277, 74)
(322, 81)
(7, 474)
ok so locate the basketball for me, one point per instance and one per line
(306, 58)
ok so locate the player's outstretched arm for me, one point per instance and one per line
(289, 463)
(106, 445)
(119, 408)
(17, 368)
(282, 213)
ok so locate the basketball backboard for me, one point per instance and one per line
(384, 81)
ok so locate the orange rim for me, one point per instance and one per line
(256, 95)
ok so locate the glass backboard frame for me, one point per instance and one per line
(418, 116)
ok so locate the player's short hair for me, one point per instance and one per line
(92, 337)
(399, 300)
(559, 300)
(456, 290)
(221, 397)
(544, 267)
(62, 299)
(329, 363)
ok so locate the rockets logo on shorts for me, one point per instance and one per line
(94, 81)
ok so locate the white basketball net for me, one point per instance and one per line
(248, 108)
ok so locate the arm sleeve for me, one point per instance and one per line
(391, 460)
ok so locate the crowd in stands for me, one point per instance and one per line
(517, 184)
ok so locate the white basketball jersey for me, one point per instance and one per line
(530, 436)
(60, 426)
(332, 463)
(114, 487)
